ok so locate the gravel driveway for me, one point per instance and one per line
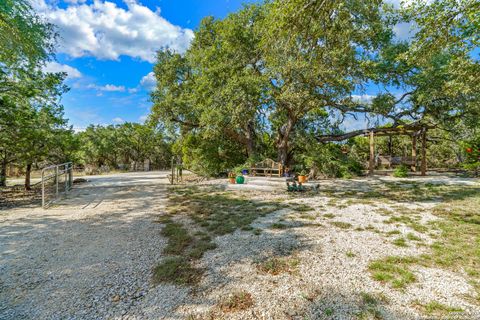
(90, 256)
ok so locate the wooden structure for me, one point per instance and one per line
(267, 167)
(390, 161)
(415, 131)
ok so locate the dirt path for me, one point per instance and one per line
(89, 256)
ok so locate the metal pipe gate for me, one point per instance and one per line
(54, 173)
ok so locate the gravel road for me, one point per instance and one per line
(88, 257)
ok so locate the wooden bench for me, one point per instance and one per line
(267, 167)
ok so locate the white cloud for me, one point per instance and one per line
(55, 67)
(108, 87)
(118, 120)
(103, 30)
(111, 87)
(143, 118)
(75, 1)
(149, 81)
(364, 98)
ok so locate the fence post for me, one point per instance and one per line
(66, 177)
(70, 176)
(173, 172)
(56, 182)
(43, 189)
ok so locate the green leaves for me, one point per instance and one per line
(273, 75)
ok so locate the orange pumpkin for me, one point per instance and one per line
(469, 150)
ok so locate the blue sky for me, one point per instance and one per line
(107, 48)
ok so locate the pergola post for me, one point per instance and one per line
(414, 153)
(371, 163)
(424, 152)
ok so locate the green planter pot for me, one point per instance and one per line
(240, 179)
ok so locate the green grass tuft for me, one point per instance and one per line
(341, 225)
(393, 270)
(277, 266)
(176, 270)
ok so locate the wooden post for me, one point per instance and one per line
(371, 164)
(424, 152)
(173, 171)
(414, 153)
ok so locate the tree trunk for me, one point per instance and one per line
(27, 177)
(283, 139)
(424, 152)
(3, 174)
(250, 140)
(371, 159)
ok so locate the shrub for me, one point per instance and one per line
(401, 171)
(329, 161)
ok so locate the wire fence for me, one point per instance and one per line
(57, 180)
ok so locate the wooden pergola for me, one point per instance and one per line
(415, 131)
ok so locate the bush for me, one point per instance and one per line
(401, 171)
(328, 160)
(472, 153)
(209, 156)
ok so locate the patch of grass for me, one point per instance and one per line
(409, 222)
(393, 270)
(400, 242)
(393, 232)
(410, 236)
(384, 211)
(350, 254)
(370, 306)
(237, 301)
(341, 225)
(313, 225)
(176, 270)
(277, 266)
(178, 238)
(372, 228)
(438, 309)
(257, 232)
(332, 202)
(200, 248)
(278, 225)
(329, 215)
(302, 208)
(247, 228)
(308, 217)
(328, 312)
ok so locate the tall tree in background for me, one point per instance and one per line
(26, 42)
(316, 54)
(436, 72)
(231, 86)
(32, 116)
(215, 89)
